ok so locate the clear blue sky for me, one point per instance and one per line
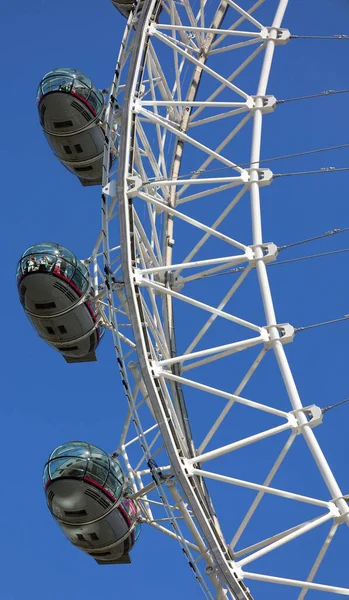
(46, 402)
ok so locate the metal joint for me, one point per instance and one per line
(269, 249)
(313, 414)
(282, 35)
(286, 332)
(118, 285)
(265, 176)
(110, 188)
(269, 103)
(134, 184)
(156, 472)
(151, 28)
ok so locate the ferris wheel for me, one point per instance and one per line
(218, 450)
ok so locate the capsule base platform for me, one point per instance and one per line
(90, 357)
(89, 182)
(123, 560)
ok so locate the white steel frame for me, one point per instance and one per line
(135, 273)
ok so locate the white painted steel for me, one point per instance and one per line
(175, 64)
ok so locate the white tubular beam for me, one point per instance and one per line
(230, 78)
(220, 306)
(319, 587)
(145, 506)
(219, 148)
(188, 300)
(260, 494)
(282, 361)
(234, 47)
(269, 540)
(186, 138)
(172, 535)
(258, 437)
(145, 433)
(319, 558)
(192, 19)
(145, 241)
(235, 260)
(205, 361)
(209, 272)
(208, 30)
(229, 404)
(154, 234)
(140, 462)
(161, 159)
(166, 40)
(129, 469)
(214, 226)
(204, 193)
(245, 14)
(144, 491)
(190, 103)
(217, 392)
(126, 426)
(191, 221)
(188, 519)
(163, 85)
(223, 115)
(237, 23)
(284, 540)
(233, 347)
(258, 487)
(147, 472)
(198, 181)
(148, 150)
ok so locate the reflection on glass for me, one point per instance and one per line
(70, 80)
(112, 484)
(96, 100)
(46, 247)
(67, 467)
(81, 89)
(96, 472)
(136, 532)
(46, 475)
(79, 460)
(79, 279)
(71, 449)
(53, 258)
(130, 509)
(67, 254)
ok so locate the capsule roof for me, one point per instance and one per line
(83, 461)
(71, 81)
(46, 256)
(51, 248)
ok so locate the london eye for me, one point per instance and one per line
(205, 325)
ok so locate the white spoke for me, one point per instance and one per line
(195, 61)
(297, 583)
(183, 281)
(267, 490)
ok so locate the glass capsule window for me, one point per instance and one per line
(81, 90)
(130, 509)
(73, 82)
(80, 460)
(136, 532)
(53, 258)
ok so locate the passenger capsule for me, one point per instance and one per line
(55, 290)
(71, 111)
(85, 492)
(125, 7)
